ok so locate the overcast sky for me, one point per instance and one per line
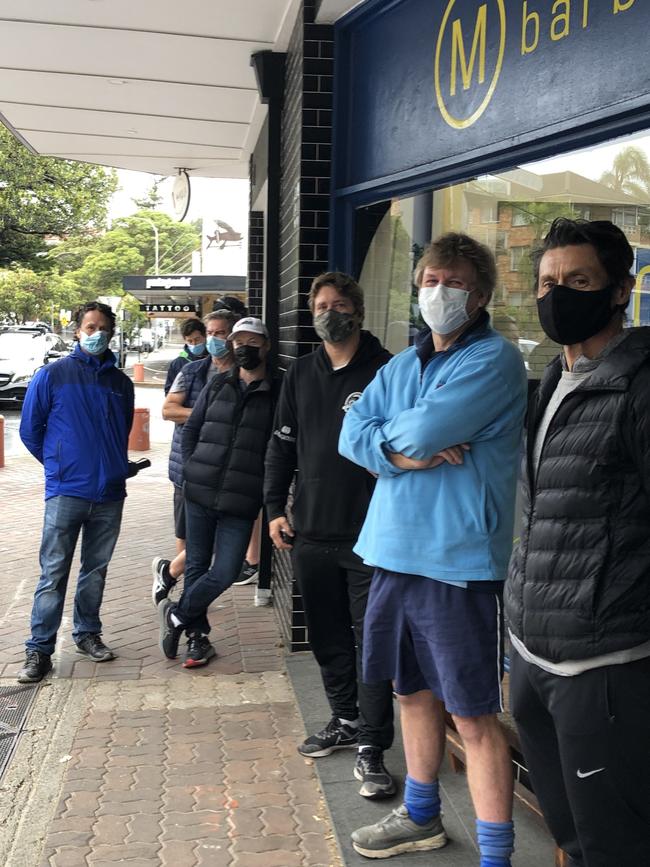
(212, 198)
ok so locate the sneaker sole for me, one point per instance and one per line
(25, 679)
(251, 580)
(320, 754)
(425, 845)
(154, 586)
(198, 663)
(377, 794)
(106, 658)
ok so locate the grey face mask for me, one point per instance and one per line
(334, 327)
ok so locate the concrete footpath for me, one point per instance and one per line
(139, 761)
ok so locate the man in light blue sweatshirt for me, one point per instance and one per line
(440, 427)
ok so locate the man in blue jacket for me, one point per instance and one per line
(440, 427)
(76, 421)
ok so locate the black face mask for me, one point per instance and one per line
(334, 327)
(570, 316)
(248, 357)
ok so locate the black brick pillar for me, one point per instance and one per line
(255, 280)
(304, 230)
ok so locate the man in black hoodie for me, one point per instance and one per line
(328, 511)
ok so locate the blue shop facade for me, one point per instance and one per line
(392, 121)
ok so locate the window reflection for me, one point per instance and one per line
(511, 213)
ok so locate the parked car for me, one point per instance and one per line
(23, 350)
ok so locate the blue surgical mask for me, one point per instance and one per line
(217, 347)
(197, 349)
(94, 344)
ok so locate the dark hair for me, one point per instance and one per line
(344, 284)
(454, 247)
(229, 302)
(104, 309)
(190, 326)
(610, 243)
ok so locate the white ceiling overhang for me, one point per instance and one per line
(331, 10)
(137, 84)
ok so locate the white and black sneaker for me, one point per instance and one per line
(371, 772)
(335, 736)
(248, 574)
(163, 583)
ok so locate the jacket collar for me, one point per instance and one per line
(101, 363)
(477, 330)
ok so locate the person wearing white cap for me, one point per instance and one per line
(223, 446)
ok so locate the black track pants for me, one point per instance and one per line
(586, 740)
(334, 584)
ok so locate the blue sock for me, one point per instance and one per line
(496, 842)
(421, 800)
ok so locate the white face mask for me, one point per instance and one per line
(444, 308)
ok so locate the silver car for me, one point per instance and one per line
(22, 352)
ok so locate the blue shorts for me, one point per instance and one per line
(425, 634)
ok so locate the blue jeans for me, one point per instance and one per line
(65, 518)
(215, 549)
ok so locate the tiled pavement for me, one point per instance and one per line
(139, 761)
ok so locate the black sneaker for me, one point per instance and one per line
(162, 580)
(335, 736)
(94, 648)
(248, 574)
(371, 771)
(199, 651)
(36, 666)
(170, 635)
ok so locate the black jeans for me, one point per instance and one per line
(334, 584)
(586, 740)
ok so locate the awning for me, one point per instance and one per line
(151, 87)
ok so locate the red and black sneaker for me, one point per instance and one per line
(199, 651)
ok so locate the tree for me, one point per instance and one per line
(44, 197)
(28, 296)
(98, 265)
(630, 173)
(152, 199)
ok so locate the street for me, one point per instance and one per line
(149, 397)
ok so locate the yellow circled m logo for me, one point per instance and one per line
(478, 44)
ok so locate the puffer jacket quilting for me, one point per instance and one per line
(224, 442)
(579, 578)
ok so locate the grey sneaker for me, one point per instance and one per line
(371, 772)
(397, 833)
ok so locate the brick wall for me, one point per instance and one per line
(304, 230)
(306, 172)
(255, 281)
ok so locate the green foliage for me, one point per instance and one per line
(151, 200)
(26, 295)
(83, 267)
(630, 173)
(45, 196)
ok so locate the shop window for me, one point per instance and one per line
(510, 212)
(624, 217)
(520, 217)
(519, 255)
(490, 213)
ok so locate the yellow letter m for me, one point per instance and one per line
(458, 51)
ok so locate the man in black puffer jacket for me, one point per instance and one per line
(578, 593)
(223, 446)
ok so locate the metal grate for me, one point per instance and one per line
(15, 702)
